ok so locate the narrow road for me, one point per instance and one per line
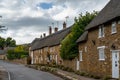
(20, 72)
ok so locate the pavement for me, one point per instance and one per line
(20, 72)
(72, 76)
(4, 74)
(11, 71)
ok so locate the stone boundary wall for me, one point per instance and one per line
(20, 61)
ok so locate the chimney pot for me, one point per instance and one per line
(44, 34)
(55, 29)
(64, 25)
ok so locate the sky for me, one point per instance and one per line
(26, 20)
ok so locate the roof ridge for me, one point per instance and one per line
(108, 13)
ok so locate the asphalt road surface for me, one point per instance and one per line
(20, 72)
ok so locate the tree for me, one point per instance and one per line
(10, 42)
(69, 47)
(2, 43)
(19, 48)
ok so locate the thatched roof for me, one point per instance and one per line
(83, 37)
(108, 13)
(51, 40)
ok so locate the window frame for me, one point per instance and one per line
(101, 31)
(101, 53)
(80, 55)
(114, 27)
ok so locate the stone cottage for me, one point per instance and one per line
(46, 50)
(99, 46)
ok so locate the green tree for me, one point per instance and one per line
(69, 47)
(2, 43)
(19, 48)
(10, 42)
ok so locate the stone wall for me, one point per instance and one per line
(70, 63)
(91, 63)
(20, 61)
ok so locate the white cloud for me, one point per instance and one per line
(25, 20)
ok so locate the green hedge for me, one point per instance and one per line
(12, 54)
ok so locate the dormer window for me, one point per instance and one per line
(101, 31)
(113, 28)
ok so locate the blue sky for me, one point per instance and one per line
(28, 19)
(45, 5)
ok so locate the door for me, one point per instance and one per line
(78, 65)
(32, 57)
(56, 58)
(115, 64)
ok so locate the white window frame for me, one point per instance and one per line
(51, 57)
(101, 54)
(114, 28)
(80, 56)
(101, 32)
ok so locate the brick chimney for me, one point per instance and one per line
(50, 30)
(64, 25)
(44, 34)
(55, 29)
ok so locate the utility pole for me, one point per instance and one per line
(53, 24)
(58, 24)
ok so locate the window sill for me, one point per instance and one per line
(101, 59)
(113, 33)
(101, 37)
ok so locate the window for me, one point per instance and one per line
(101, 31)
(51, 57)
(80, 56)
(101, 53)
(85, 49)
(114, 28)
(41, 58)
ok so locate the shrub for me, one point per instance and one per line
(107, 77)
(82, 73)
(12, 54)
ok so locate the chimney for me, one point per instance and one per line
(41, 36)
(50, 30)
(55, 29)
(44, 34)
(64, 25)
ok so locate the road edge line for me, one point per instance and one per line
(9, 77)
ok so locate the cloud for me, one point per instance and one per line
(26, 19)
